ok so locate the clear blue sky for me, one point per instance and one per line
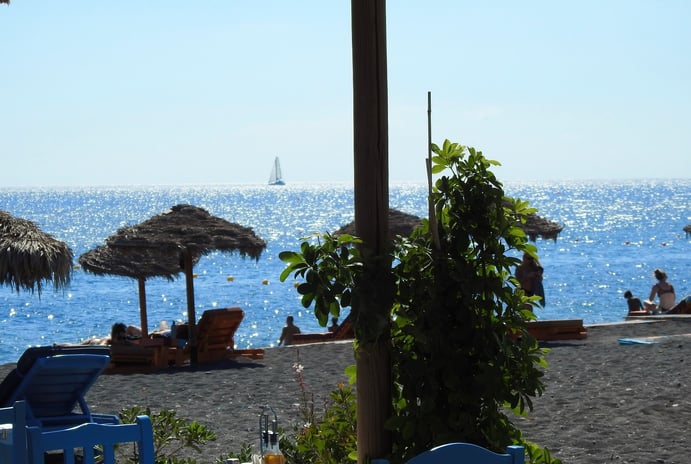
(180, 92)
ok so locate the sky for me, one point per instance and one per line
(180, 93)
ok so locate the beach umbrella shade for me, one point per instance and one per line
(140, 264)
(187, 232)
(403, 224)
(400, 223)
(536, 226)
(29, 257)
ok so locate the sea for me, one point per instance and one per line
(615, 234)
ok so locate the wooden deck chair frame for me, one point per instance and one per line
(215, 335)
(343, 332)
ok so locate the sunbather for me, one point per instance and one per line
(662, 289)
(121, 334)
(683, 307)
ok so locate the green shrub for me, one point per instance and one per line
(329, 438)
(171, 435)
(461, 355)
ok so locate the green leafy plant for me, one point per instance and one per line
(171, 435)
(244, 455)
(461, 356)
(329, 439)
(330, 268)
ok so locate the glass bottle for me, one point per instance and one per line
(268, 442)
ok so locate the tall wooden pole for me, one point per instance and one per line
(371, 151)
(191, 313)
(142, 308)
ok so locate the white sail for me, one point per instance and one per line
(276, 177)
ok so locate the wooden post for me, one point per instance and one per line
(191, 313)
(142, 308)
(371, 150)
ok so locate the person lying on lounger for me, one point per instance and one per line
(683, 307)
(121, 334)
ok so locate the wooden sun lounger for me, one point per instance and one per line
(149, 356)
(215, 338)
(343, 332)
(564, 329)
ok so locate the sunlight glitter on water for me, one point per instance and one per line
(615, 234)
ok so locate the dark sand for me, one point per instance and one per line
(604, 402)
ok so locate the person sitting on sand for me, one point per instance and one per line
(288, 331)
(662, 289)
(635, 304)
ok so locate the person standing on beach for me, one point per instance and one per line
(288, 331)
(662, 289)
(529, 275)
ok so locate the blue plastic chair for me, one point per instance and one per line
(92, 442)
(53, 382)
(13, 450)
(466, 453)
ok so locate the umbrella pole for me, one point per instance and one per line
(142, 308)
(191, 316)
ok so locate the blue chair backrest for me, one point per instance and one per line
(13, 450)
(54, 386)
(91, 442)
(9, 385)
(469, 453)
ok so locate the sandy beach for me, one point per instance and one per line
(604, 401)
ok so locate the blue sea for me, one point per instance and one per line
(615, 234)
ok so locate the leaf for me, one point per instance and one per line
(351, 373)
(289, 257)
(285, 273)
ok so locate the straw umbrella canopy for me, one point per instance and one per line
(400, 223)
(536, 226)
(687, 229)
(187, 232)
(140, 264)
(403, 224)
(30, 257)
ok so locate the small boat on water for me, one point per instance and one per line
(276, 177)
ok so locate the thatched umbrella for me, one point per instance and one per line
(185, 233)
(29, 257)
(140, 264)
(403, 224)
(536, 226)
(400, 223)
(687, 229)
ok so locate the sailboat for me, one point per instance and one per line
(276, 177)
